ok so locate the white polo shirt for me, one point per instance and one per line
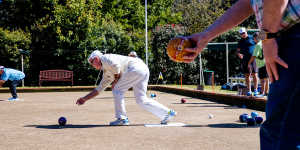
(113, 64)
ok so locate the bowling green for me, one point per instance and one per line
(32, 124)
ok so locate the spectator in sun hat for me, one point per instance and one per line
(13, 78)
(242, 30)
(245, 50)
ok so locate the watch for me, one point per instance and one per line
(265, 35)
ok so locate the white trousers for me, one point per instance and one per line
(137, 77)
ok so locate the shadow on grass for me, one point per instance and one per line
(225, 106)
(194, 103)
(234, 107)
(72, 126)
(224, 125)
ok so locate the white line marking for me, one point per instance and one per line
(171, 124)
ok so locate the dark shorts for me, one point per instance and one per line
(246, 70)
(262, 72)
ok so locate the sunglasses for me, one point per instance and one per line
(242, 33)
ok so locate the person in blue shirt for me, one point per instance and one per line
(13, 78)
(244, 51)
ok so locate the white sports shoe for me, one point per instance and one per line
(120, 122)
(13, 99)
(171, 114)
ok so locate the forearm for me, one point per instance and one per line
(240, 11)
(107, 80)
(91, 95)
(251, 60)
(272, 14)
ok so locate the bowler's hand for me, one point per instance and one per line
(270, 49)
(80, 101)
(201, 44)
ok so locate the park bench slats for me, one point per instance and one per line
(56, 75)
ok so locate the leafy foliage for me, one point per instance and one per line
(171, 70)
(10, 44)
(196, 16)
(60, 34)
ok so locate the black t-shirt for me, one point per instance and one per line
(247, 46)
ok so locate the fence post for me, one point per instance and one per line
(227, 63)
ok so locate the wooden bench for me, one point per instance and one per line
(56, 75)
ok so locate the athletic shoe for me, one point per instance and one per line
(171, 114)
(255, 93)
(13, 99)
(259, 95)
(249, 93)
(120, 122)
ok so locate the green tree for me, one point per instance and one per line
(161, 62)
(10, 44)
(198, 15)
(129, 13)
(131, 17)
(59, 35)
(160, 12)
(64, 32)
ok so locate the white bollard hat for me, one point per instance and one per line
(132, 53)
(94, 54)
